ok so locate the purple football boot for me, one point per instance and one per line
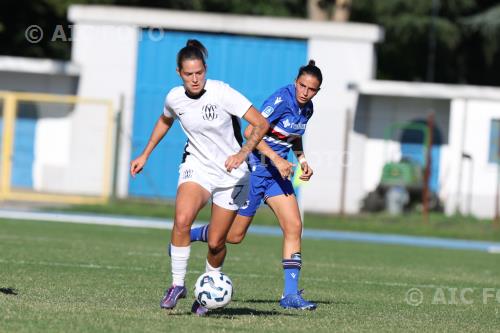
(199, 309)
(172, 295)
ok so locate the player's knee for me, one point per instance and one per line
(293, 229)
(235, 238)
(183, 222)
(216, 246)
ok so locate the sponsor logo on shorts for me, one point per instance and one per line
(246, 204)
(188, 173)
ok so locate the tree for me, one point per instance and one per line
(482, 33)
(404, 53)
(17, 15)
(467, 33)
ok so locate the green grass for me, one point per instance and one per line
(411, 224)
(84, 278)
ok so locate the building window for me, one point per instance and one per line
(494, 155)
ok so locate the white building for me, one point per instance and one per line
(128, 55)
(467, 174)
(119, 49)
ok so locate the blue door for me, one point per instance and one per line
(24, 146)
(255, 66)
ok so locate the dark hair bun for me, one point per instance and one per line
(194, 49)
(193, 42)
(311, 69)
(197, 44)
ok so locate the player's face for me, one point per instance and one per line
(306, 87)
(192, 74)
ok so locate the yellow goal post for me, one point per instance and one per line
(55, 148)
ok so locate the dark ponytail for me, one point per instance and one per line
(193, 50)
(311, 69)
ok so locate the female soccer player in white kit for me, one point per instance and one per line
(212, 165)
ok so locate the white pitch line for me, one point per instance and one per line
(252, 275)
(61, 264)
(126, 221)
(494, 249)
(123, 221)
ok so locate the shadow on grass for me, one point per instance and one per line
(273, 301)
(231, 312)
(236, 312)
(8, 291)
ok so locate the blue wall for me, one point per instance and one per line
(255, 66)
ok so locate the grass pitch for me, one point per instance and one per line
(84, 278)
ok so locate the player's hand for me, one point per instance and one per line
(234, 161)
(284, 167)
(307, 172)
(137, 165)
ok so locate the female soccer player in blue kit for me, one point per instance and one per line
(287, 110)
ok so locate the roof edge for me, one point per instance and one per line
(224, 23)
(38, 66)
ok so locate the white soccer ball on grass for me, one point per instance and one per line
(213, 290)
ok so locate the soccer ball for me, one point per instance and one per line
(213, 290)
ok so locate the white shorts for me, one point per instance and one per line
(231, 198)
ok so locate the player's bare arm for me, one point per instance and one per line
(284, 167)
(161, 128)
(260, 127)
(298, 149)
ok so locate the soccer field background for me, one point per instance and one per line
(439, 225)
(85, 278)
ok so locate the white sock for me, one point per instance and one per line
(179, 261)
(209, 268)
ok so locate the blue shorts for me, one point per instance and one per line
(262, 188)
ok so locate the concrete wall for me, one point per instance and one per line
(54, 122)
(69, 140)
(41, 83)
(373, 115)
(104, 59)
(465, 186)
(108, 56)
(341, 61)
(471, 185)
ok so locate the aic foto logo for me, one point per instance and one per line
(209, 112)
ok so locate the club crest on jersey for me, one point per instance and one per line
(209, 112)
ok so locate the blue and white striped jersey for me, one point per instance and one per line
(287, 122)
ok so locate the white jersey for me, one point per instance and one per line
(212, 125)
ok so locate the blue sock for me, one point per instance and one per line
(291, 270)
(199, 234)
